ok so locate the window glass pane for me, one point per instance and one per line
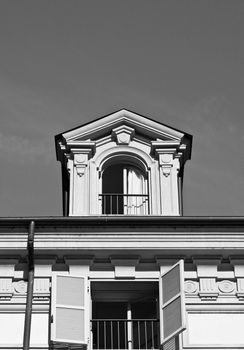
(70, 324)
(70, 291)
(171, 284)
(172, 317)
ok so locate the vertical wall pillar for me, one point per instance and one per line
(80, 186)
(169, 167)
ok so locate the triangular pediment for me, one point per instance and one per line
(143, 126)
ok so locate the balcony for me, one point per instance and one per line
(124, 204)
(125, 334)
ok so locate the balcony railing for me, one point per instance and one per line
(125, 334)
(124, 204)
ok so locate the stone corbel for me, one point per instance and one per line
(43, 266)
(81, 161)
(166, 161)
(238, 264)
(207, 269)
(166, 263)
(166, 170)
(7, 267)
(80, 170)
(7, 272)
(79, 266)
(124, 266)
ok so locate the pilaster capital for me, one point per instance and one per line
(81, 156)
(165, 156)
(68, 148)
(167, 151)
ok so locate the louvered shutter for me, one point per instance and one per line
(172, 305)
(69, 309)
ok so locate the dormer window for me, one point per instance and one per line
(124, 190)
(123, 164)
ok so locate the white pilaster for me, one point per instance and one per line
(80, 183)
(169, 182)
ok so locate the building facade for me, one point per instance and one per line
(122, 268)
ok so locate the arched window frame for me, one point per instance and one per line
(127, 155)
(128, 195)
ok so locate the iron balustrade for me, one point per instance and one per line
(125, 334)
(124, 204)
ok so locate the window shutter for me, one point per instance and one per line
(172, 305)
(70, 324)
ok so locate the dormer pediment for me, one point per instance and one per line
(121, 126)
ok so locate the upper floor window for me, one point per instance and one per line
(126, 315)
(124, 190)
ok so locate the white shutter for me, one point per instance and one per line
(70, 302)
(172, 305)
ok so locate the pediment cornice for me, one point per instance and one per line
(122, 125)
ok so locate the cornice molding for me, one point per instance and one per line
(126, 119)
(215, 223)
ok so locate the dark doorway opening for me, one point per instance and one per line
(125, 315)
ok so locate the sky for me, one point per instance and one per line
(65, 63)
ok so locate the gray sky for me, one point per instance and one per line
(64, 63)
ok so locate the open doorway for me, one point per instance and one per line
(125, 315)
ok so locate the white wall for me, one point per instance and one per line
(12, 329)
(225, 329)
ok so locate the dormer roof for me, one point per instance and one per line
(142, 126)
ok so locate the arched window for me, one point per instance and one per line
(124, 190)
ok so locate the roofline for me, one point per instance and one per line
(124, 221)
(189, 136)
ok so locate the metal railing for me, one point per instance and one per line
(125, 334)
(124, 204)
